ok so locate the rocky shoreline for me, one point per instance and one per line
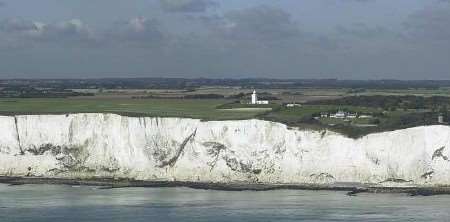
(111, 183)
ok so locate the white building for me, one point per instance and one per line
(339, 115)
(255, 100)
(352, 115)
(262, 102)
(440, 119)
(292, 105)
(343, 115)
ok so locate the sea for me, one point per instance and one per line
(38, 203)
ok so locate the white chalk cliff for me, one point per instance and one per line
(109, 145)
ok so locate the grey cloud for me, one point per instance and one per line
(321, 43)
(258, 40)
(234, 41)
(263, 28)
(27, 32)
(18, 25)
(363, 31)
(187, 5)
(430, 23)
(19, 33)
(2, 4)
(70, 31)
(262, 24)
(139, 30)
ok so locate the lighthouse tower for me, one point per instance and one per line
(254, 98)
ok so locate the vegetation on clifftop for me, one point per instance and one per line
(398, 113)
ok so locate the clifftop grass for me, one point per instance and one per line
(216, 109)
(204, 109)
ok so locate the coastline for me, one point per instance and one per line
(248, 155)
(113, 183)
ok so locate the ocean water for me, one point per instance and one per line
(67, 203)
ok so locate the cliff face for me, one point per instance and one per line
(106, 145)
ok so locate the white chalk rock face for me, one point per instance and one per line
(254, 151)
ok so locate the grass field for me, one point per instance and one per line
(201, 109)
(208, 110)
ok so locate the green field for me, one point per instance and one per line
(208, 110)
(200, 109)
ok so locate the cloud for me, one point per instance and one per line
(188, 6)
(430, 23)
(21, 27)
(2, 4)
(254, 41)
(70, 31)
(263, 29)
(27, 32)
(262, 40)
(363, 31)
(139, 30)
(17, 33)
(260, 24)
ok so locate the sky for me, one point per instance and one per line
(344, 39)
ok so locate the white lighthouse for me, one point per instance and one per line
(254, 98)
